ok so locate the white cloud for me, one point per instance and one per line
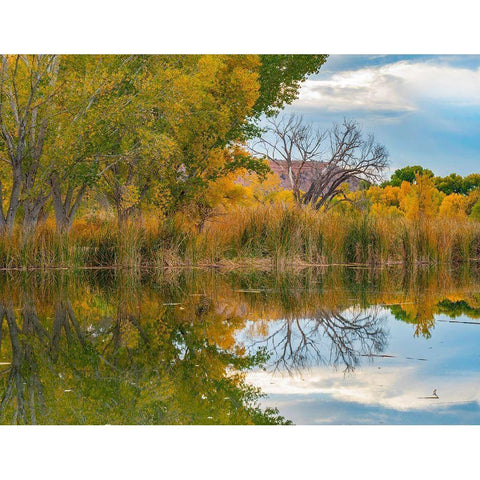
(399, 87)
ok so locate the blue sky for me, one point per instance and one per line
(424, 108)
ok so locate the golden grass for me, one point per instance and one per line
(278, 235)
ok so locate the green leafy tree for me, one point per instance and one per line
(407, 174)
(94, 103)
(472, 182)
(28, 88)
(452, 183)
(139, 128)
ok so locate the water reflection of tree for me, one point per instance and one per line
(23, 380)
(34, 354)
(300, 343)
(412, 295)
(123, 366)
(423, 310)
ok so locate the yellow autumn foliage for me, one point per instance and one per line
(453, 206)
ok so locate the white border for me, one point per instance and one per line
(238, 452)
(253, 26)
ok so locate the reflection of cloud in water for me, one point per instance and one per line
(386, 390)
(396, 387)
(308, 410)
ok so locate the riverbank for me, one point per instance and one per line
(262, 237)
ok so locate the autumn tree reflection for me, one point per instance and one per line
(133, 358)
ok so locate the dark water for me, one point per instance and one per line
(341, 346)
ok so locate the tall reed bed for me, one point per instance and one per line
(289, 235)
(278, 235)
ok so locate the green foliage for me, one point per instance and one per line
(407, 174)
(458, 308)
(471, 182)
(455, 183)
(280, 79)
(139, 129)
(452, 183)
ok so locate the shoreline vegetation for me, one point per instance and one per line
(265, 236)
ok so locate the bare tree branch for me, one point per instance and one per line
(338, 156)
(352, 158)
(291, 144)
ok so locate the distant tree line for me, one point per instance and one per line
(452, 183)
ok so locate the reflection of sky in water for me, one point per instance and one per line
(387, 390)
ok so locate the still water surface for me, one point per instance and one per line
(334, 346)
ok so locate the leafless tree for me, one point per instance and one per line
(337, 156)
(352, 157)
(291, 144)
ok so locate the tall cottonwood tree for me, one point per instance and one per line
(43, 103)
(209, 101)
(192, 116)
(182, 132)
(100, 114)
(135, 127)
(135, 151)
(28, 85)
(59, 115)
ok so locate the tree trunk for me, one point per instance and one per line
(14, 203)
(123, 216)
(31, 214)
(66, 208)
